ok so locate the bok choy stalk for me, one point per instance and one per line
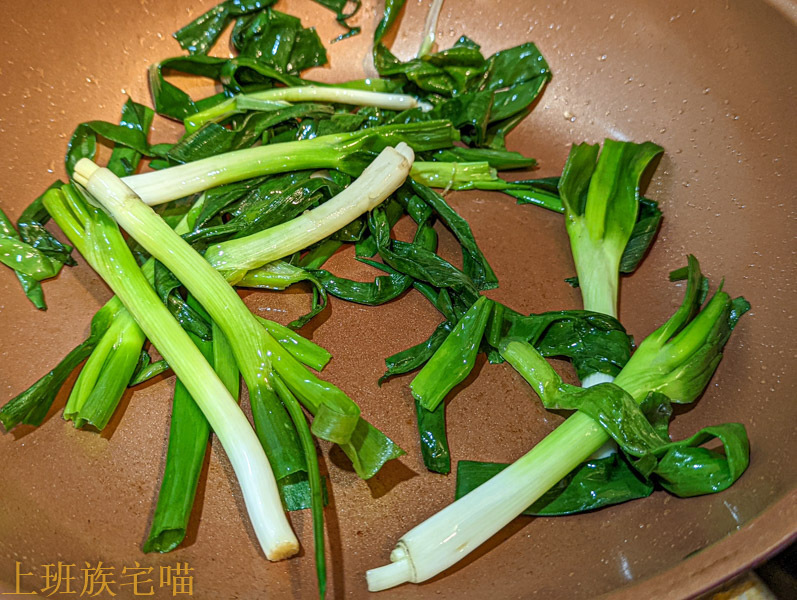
(100, 242)
(350, 152)
(678, 358)
(275, 97)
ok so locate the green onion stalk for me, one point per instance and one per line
(678, 360)
(234, 258)
(600, 199)
(100, 242)
(105, 376)
(189, 431)
(350, 152)
(430, 28)
(278, 97)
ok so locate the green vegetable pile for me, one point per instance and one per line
(272, 176)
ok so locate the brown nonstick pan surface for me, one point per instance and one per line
(711, 81)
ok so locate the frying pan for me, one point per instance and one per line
(712, 82)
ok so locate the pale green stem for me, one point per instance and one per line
(454, 532)
(308, 93)
(222, 412)
(380, 179)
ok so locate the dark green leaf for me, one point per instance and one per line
(595, 342)
(130, 134)
(138, 118)
(434, 442)
(647, 224)
(454, 359)
(498, 159)
(415, 260)
(592, 485)
(276, 433)
(146, 369)
(320, 254)
(339, 7)
(415, 357)
(201, 34)
(372, 293)
(278, 40)
(31, 230)
(167, 286)
(219, 198)
(475, 264)
(22, 257)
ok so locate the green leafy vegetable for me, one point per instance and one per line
(482, 96)
(339, 8)
(32, 245)
(129, 138)
(201, 34)
(278, 40)
(452, 362)
(592, 485)
(22, 257)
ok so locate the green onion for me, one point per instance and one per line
(188, 442)
(381, 178)
(267, 100)
(105, 375)
(99, 241)
(430, 28)
(337, 417)
(350, 152)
